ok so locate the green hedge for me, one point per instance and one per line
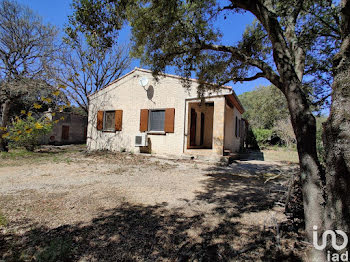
(262, 136)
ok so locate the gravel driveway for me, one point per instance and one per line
(123, 207)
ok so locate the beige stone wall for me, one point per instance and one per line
(219, 126)
(127, 94)
(208, 112)
(232, 142)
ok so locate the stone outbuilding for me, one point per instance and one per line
(71, 128)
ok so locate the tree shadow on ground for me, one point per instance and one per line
(158, 233)
(243, 187)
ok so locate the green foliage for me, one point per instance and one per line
(27, 132)
(264, 106)
(262, 136)
(319, 141)
(185, 34)
(16, 154)
(58, 249)
(76, 110)
(251, 139)
(3, 220)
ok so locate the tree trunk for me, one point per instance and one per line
(336, 139)
(311, 171)
(4, 121)
(336, 135)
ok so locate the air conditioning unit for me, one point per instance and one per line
(141, 140)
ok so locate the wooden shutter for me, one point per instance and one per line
(99, 120)
(169, 120)
(144, 120)
(118, 120)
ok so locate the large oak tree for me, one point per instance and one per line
(291, 44)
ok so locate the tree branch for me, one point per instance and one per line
(247, 79)
(267, 71)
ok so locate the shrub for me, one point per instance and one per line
(251, 140)
(262, 136)
(27, 132)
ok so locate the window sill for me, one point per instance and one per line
(156, 133)
(108, 131)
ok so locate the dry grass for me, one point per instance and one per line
(46, 154)
(281, 154)
(106, 206)
(3, 220)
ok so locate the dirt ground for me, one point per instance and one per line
(64, 204)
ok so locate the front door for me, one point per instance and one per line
(65, 132)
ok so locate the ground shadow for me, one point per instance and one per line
(157, 233)
(245, 187)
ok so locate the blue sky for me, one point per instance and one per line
(56, 12)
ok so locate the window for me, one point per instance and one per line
(109, 121)
(241, 126)
(236, 127)
(156, 120)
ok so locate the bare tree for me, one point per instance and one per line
(284, 130)
(28, 50)
(87, 69)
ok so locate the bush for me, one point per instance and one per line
(28, 131)
(251, 140)
(262, 136)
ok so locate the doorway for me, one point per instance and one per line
(200, 125)
(193, 127)
(65, 133)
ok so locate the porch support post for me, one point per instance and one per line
(219, 126)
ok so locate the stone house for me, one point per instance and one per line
(70, 128)
(170, 118)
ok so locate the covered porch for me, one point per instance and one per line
(212, 126)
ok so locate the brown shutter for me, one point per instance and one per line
(144, 120)
(99, 120)
(118, 120)
(169, 120)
